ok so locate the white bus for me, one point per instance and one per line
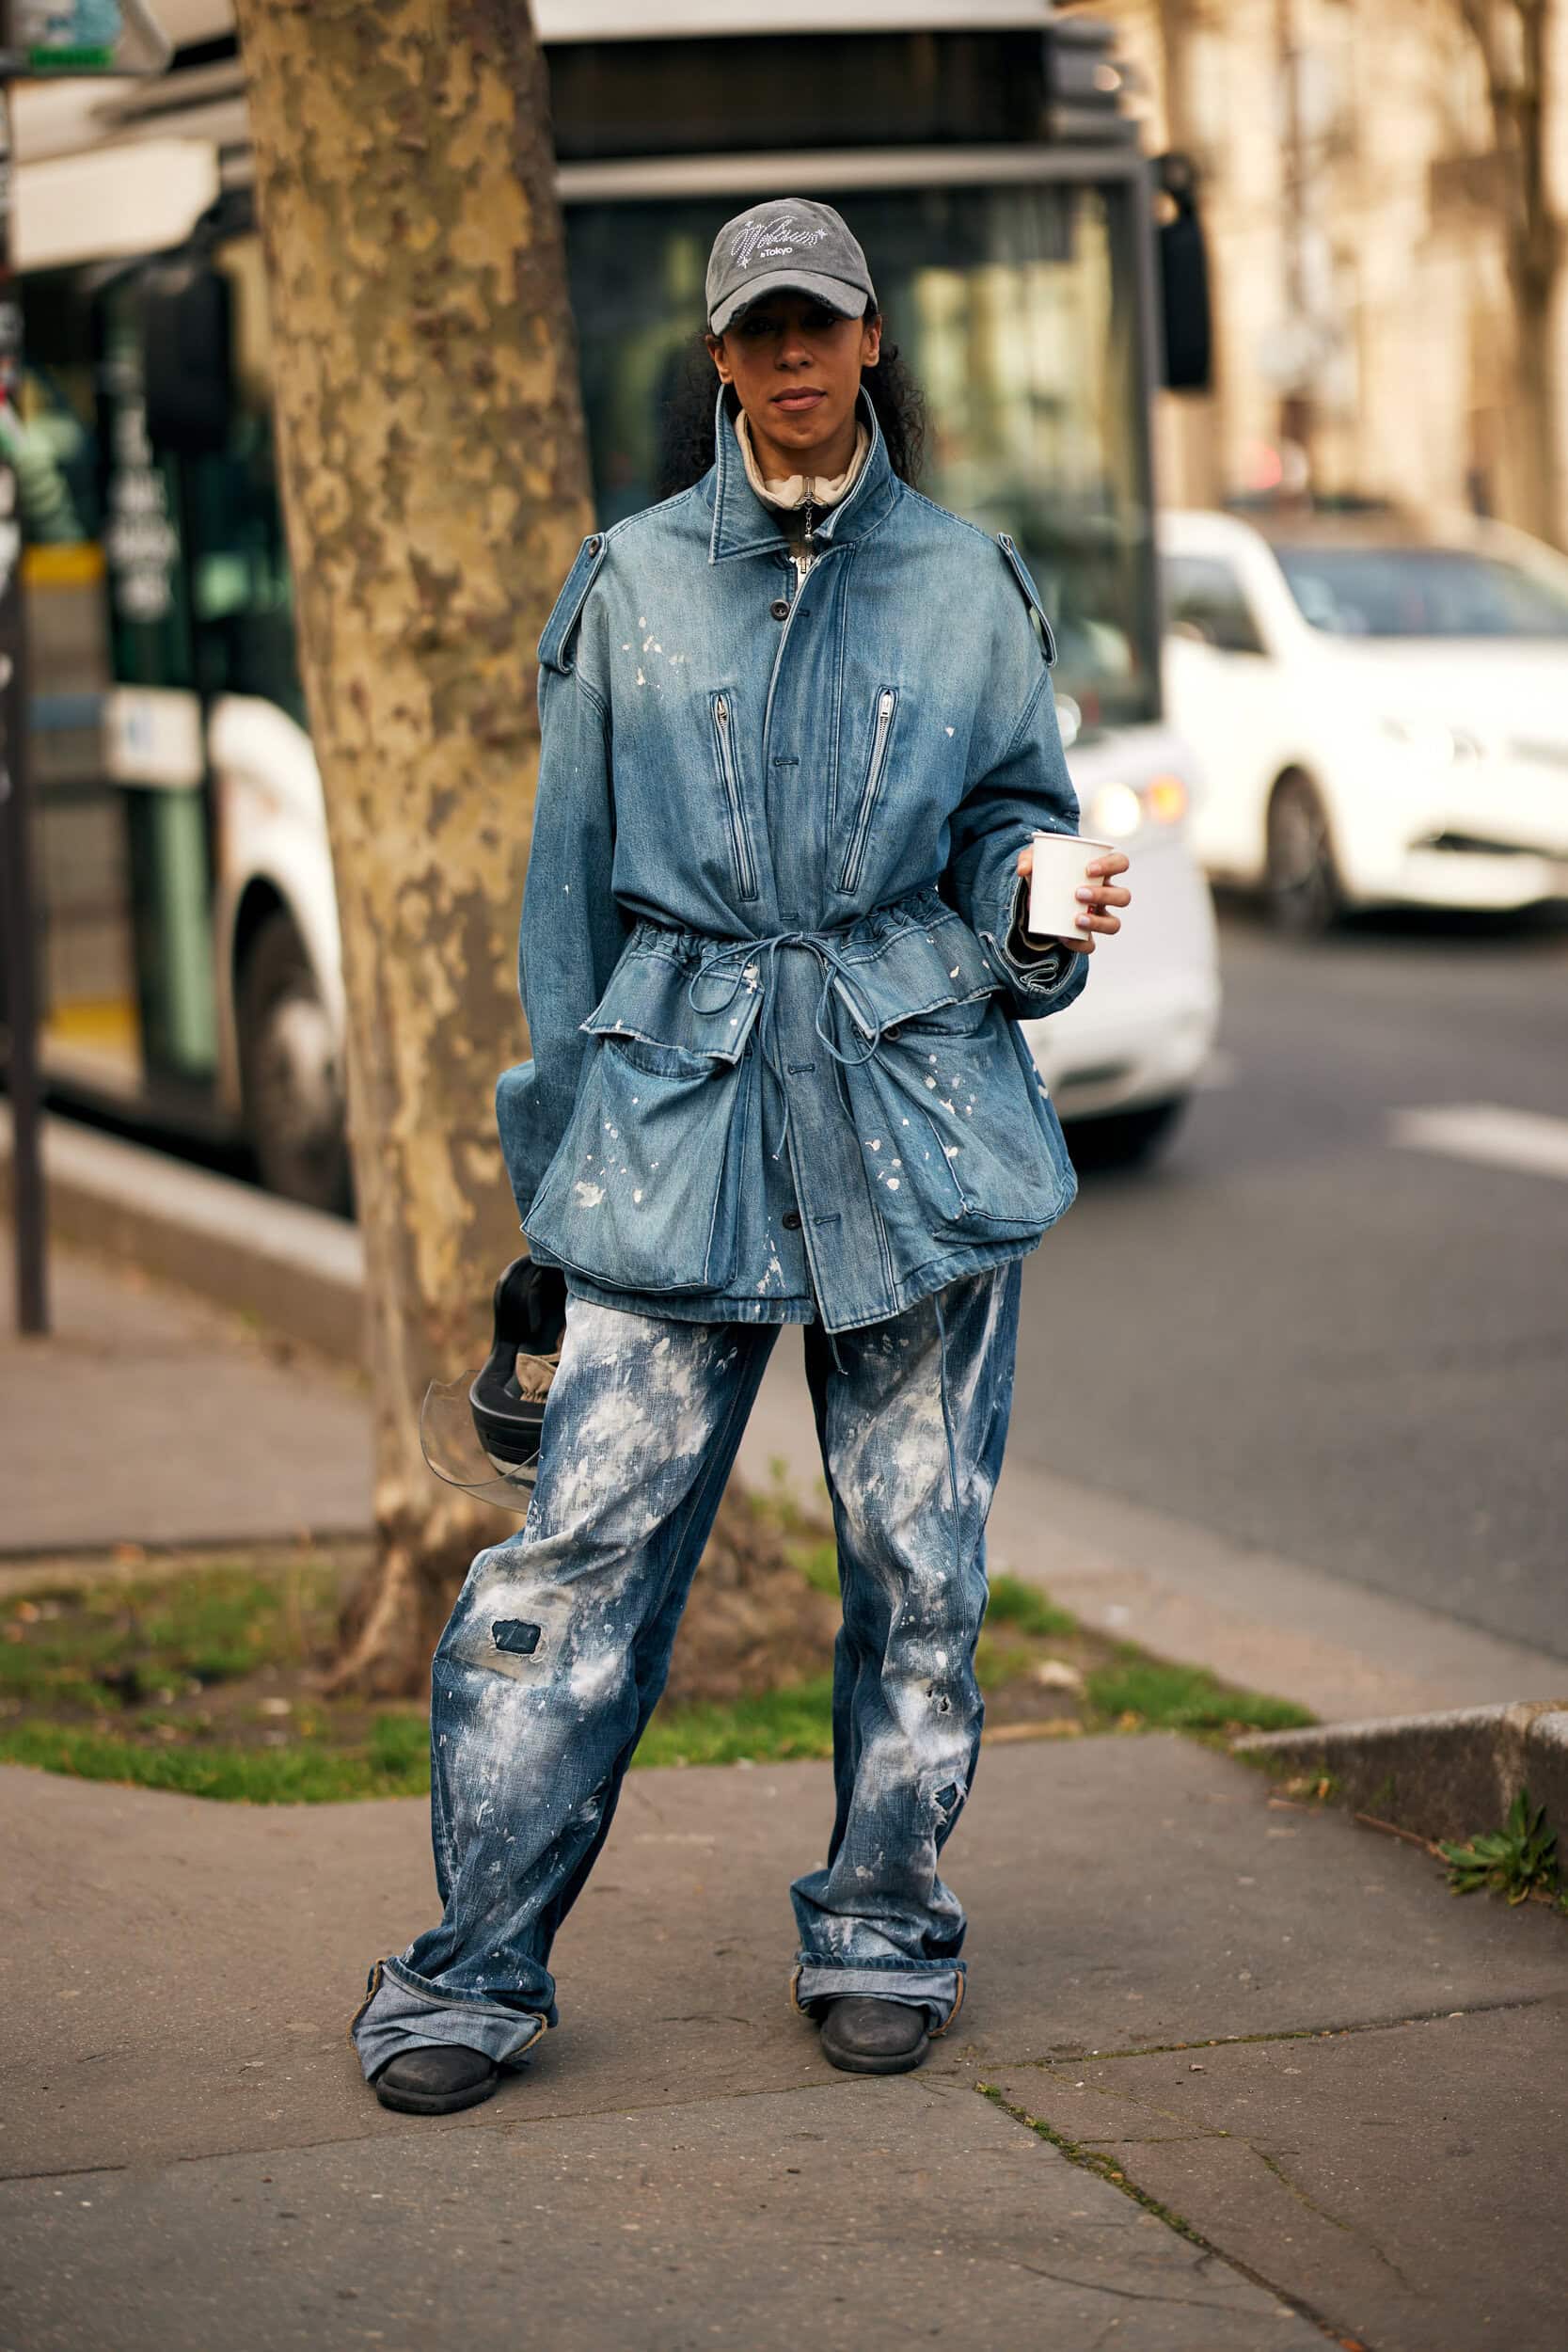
(191, 953)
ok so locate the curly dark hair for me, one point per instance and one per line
(687, 414)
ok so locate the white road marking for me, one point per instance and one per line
(1526, 1140)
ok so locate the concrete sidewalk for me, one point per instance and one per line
(1333, 2098)
(147, 1416)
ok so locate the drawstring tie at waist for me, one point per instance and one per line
(734, 963)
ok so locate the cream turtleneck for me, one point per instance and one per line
(793, 491)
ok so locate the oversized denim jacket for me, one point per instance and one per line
(765, 954)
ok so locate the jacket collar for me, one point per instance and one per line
(743, 525)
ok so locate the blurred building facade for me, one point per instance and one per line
(1384, 183)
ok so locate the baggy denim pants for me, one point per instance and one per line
(560, 1642)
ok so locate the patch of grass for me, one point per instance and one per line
(817, 1563)
(1027, 1609)
(1295, 1786)
(386, 1766)
(1142, 1693)
(778, 1505)
(106, 1647)
(780, 1724)
(997, 1662)
(209, 1682)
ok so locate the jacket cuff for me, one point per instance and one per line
(1036, 965)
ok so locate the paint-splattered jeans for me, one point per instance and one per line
(560, 1644)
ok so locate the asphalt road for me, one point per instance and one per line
(1299, 1331)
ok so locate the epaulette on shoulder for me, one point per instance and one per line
(555, 646)
(1031, 597)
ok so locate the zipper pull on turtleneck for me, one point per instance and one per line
(794, 491)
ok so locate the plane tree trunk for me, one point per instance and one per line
(436, 487)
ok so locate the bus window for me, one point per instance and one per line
(154, 747)
(241, 597)
(87, 994)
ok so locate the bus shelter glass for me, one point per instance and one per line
(1017, 310)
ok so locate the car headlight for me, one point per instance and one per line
(1119, 809)
(1430, 740)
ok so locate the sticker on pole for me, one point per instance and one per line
(50, 37)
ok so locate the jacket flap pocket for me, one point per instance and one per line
(914, 972)
(648, 997)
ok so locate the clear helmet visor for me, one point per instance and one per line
(467, 1450)
(482, 1432)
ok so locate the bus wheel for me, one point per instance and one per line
(1303, 893)
(291, 1071)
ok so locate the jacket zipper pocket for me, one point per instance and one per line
(854, 857)
(740, 839)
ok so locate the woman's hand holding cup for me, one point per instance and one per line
(1073, 896)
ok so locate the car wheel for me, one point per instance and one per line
(1304, 893)
(1126, 1138)
(291, 1073)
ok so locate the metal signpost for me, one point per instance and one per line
(39, 40)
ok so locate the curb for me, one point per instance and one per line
(296, 1269)
(1448, 1775)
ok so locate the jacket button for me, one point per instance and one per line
(791, 1220)
(780, 607)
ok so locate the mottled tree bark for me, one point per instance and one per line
(436, 487)
(1515, 39)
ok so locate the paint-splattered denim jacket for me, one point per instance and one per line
(768, 955)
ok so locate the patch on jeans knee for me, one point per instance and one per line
(516, 1634)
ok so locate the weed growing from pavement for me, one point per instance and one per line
(1519, 1861)
(1516, 1861)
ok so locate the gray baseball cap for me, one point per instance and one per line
(790, 242)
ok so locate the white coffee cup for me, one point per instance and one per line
(1061, 868)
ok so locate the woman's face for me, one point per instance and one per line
(796, 367)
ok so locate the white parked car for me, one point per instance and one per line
(1380, 713)
(1122, 1062)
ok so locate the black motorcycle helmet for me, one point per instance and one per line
(483, 1433)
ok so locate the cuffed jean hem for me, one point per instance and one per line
(401, 2012)
(940, 1990)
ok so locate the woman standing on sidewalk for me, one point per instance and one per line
(797, 729)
